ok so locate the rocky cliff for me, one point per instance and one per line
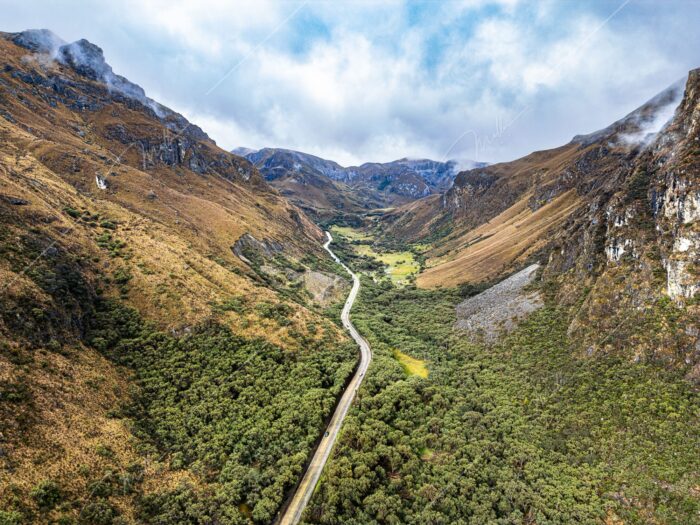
(612, 215)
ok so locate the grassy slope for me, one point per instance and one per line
(159, 240)
(479, 230)
(498, 245)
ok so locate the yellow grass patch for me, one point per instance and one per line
(351, 234)
(411, 365)
(427, 454)
(421, 247)
(401, 265)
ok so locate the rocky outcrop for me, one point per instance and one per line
(87, 60)
(637, 244)
(325, 289)
(629, 242)
(77, 76)
(252, 251)
(676, 194)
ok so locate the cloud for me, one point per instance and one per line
(482, 79)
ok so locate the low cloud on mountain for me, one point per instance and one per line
(487, 80)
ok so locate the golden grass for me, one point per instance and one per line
(411, 365)
(177, 249)
(71, 398)
(498, 245)
(351, 234)
(173, 243)
(421, 247)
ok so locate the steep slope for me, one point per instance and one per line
(144, 274)
(612, 215)
(159, 172)
(325, 188)
(532, 195)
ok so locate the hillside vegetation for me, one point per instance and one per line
(155, 325)
(171, 346)
(518, 432)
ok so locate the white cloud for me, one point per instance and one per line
(362, 81)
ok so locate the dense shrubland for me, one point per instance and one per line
(204, 426)
(520, 432)
(241, 415)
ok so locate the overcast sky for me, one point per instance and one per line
(368, 81)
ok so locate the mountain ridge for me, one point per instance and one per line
(354, 189)
(170, 343)
(598, 209)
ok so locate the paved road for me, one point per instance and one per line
(292, 514)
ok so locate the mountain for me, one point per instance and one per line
(154, 290)
(614, 213)
(171, 349)
(311, 183)
(326, 189)
(566, 391)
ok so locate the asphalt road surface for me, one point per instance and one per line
(301, 498)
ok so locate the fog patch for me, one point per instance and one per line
(467, 164)
(86, 59)
(649, 124)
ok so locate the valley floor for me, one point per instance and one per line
(304, 491)
(519, 431)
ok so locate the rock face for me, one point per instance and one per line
(85, 58)
(659, 206)
(501, 306)
(249, 249)
(612, 216)
(38, 40)
(634, 242)
(67, 111)
(675, 194)
(325, 289)
(93, 86)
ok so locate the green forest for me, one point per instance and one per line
(242, 415)
(232, 420)
(517, 432)
(521, 431)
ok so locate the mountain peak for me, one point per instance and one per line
(87, 60)
(39, 40)
(242, 151)
(640, 126)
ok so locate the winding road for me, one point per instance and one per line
(292, 513)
